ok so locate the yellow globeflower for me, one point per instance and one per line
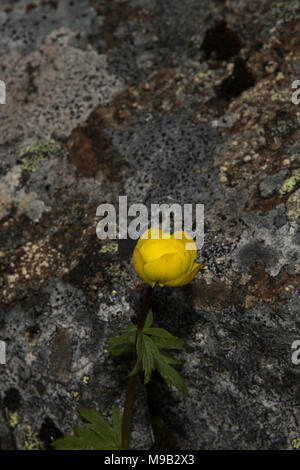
(165, 260)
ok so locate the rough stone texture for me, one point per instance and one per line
(175, 101)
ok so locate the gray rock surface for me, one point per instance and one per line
(175, 101)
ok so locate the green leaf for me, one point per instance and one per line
(139, 345)
(82, 440)
(150, 357)
(164, 343)
(170, 360)
(149, 352)
(124, 342)
(138, 366)
(117, 426)
(149, 344)
(161, 332)
(96, 435)
(149, 319)
(170, 375)
(96, 423)
(163, 339)
(146, 351)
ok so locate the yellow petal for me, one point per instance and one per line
(186, 238)
(139, 266)
(165, 268)
(186, 278)
(154, 249)
(165, 260)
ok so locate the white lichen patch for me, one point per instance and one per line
(32, 262)
(8, 185)
(30, 205)
(26, 203)
(109, 312)
(69, 83)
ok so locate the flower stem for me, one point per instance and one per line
(126, 420)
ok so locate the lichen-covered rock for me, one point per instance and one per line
(164, 102)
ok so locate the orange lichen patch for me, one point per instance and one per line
(91, 150)
(257, 288)
(118, 113)
(216, 295)
(116, 15)
(256, 202)
(6, 8)
(29, 7)
(265, 288)
(161, 92)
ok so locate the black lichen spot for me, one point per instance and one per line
(12, 399)
(31, 86)
(31, 334)
(257, 252)
(222, 40)
(11, 238)
(49, 432)
(240, 80)
(35, 304)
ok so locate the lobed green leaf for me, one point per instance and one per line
(170, 375)
(165, 343)
(96, 435)
(149, 319)
(124, 342)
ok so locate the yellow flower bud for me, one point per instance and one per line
(165, 260)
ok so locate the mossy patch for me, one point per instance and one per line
(293, 206)
(12, 419)
(291, 182)
(110, 248)
(31, 440)
(75, 395)
(296, 443)
(31, 157)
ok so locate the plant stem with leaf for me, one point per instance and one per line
(126, 420)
